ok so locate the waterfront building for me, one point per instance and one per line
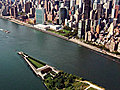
(81, 29)
(39, 15)
(27, 7)
(12, 11)
(63, 13)
(41, 26)
(112, 46)
(55, 27)
(15, 12)
(4, 12)
(32, 11)
(118, 47)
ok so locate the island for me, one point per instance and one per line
(55, 79)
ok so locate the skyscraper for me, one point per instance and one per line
(40, 15)
(46, 5)
(63, 13)
(67, 3)
(15, 12)
(72, 3)
(27, 6)
(21, 2)
(87, 8)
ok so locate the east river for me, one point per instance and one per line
(15, 74)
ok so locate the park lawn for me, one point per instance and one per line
(57, 32)
(35, 63)
(91, 88)
(66, 31)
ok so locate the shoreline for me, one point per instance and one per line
(91, 47)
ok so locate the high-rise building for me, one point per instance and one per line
(77, 2)
(63, 13)
(49, 6)
(67, 3)
(4, 12)
(12, 11)
(86, 8)
(80, 3)
(100, 10)
(118, 18)
(21, 2)
(39, 14)
(95, 4)
(27, 6)
(72, 3)
(32, 11)
(46, 5)
(81, 29)
(87, 25)
(15, 12)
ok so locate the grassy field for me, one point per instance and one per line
(35, 63)
(91, 88)
(60, 32)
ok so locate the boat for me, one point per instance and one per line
(6, 31)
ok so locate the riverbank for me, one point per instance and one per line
(55, 79)
(65, 38)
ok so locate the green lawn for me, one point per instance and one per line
(66, 31)
(35, 63)
(60, 32)
(91, 88)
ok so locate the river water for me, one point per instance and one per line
(15, 74)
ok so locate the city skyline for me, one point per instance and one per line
(94, 24)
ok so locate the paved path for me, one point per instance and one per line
(92, 85)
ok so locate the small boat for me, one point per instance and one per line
(6, 31)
